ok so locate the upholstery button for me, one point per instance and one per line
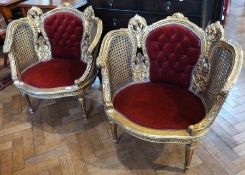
(168, 48)
(162, 38)
(174, 37)
(160, 56)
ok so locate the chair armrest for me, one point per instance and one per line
(101, 63)
(211, 115)
(19, 45)
(91, 39)
(95, 32)
(226, 59)
(89, 73)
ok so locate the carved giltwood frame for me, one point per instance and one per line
(35, 19)
(137, 31)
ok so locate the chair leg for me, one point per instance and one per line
(30, 108)
(189, 149)
(113, 127)
(83, 105)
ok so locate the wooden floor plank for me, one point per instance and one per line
(6, 162)
(18, 155)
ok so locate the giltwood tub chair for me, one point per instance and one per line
(51, 54)
(166, 82)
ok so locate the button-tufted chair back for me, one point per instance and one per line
(173, 51)
(65, 32)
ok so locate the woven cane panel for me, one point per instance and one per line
(119, 57)
(23, 47)
(220, 69)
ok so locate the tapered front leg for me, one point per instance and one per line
(189, 150)
(30, 108)
(83, 105)
(113, 127)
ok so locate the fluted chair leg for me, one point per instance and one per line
(113, 127)
(83, 105)
(189, 150)
(30, 108)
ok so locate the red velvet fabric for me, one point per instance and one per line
(54, 73)
(65, 31)
(159, 106)
(173, 51)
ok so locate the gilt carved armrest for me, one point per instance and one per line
(225, 65)
(21, 32)
(92, 37)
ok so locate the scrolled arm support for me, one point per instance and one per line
(89, 44)
(102, 63)
(97, 35)
(206, 123)
(89, 72)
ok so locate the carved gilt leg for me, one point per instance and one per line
(189, 149)
(83, 105)
(113, 127)
(30, 108)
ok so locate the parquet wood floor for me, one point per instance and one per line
(56, 140)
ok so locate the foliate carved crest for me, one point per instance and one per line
(177, 16)
(140, 66)
(200, 75)
(88, 13)
(35, 14)
(137, 25)
(65, 4)
(214, 33)
(43, 49)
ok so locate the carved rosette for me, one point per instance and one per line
(140, 66)
(177, 16)
(136, 25)
(65, 5)
(214, 33)
(200, 75)
(42, 48)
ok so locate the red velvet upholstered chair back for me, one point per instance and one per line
(65, 33)
(173, 50)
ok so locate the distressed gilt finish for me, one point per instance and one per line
(42, 50)
(212, 44)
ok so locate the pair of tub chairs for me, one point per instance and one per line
(162, 83)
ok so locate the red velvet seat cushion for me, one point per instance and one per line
(54, 73)
(173, 51)
(159, 106)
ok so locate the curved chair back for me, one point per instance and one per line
(173, 47)
(64, 30)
